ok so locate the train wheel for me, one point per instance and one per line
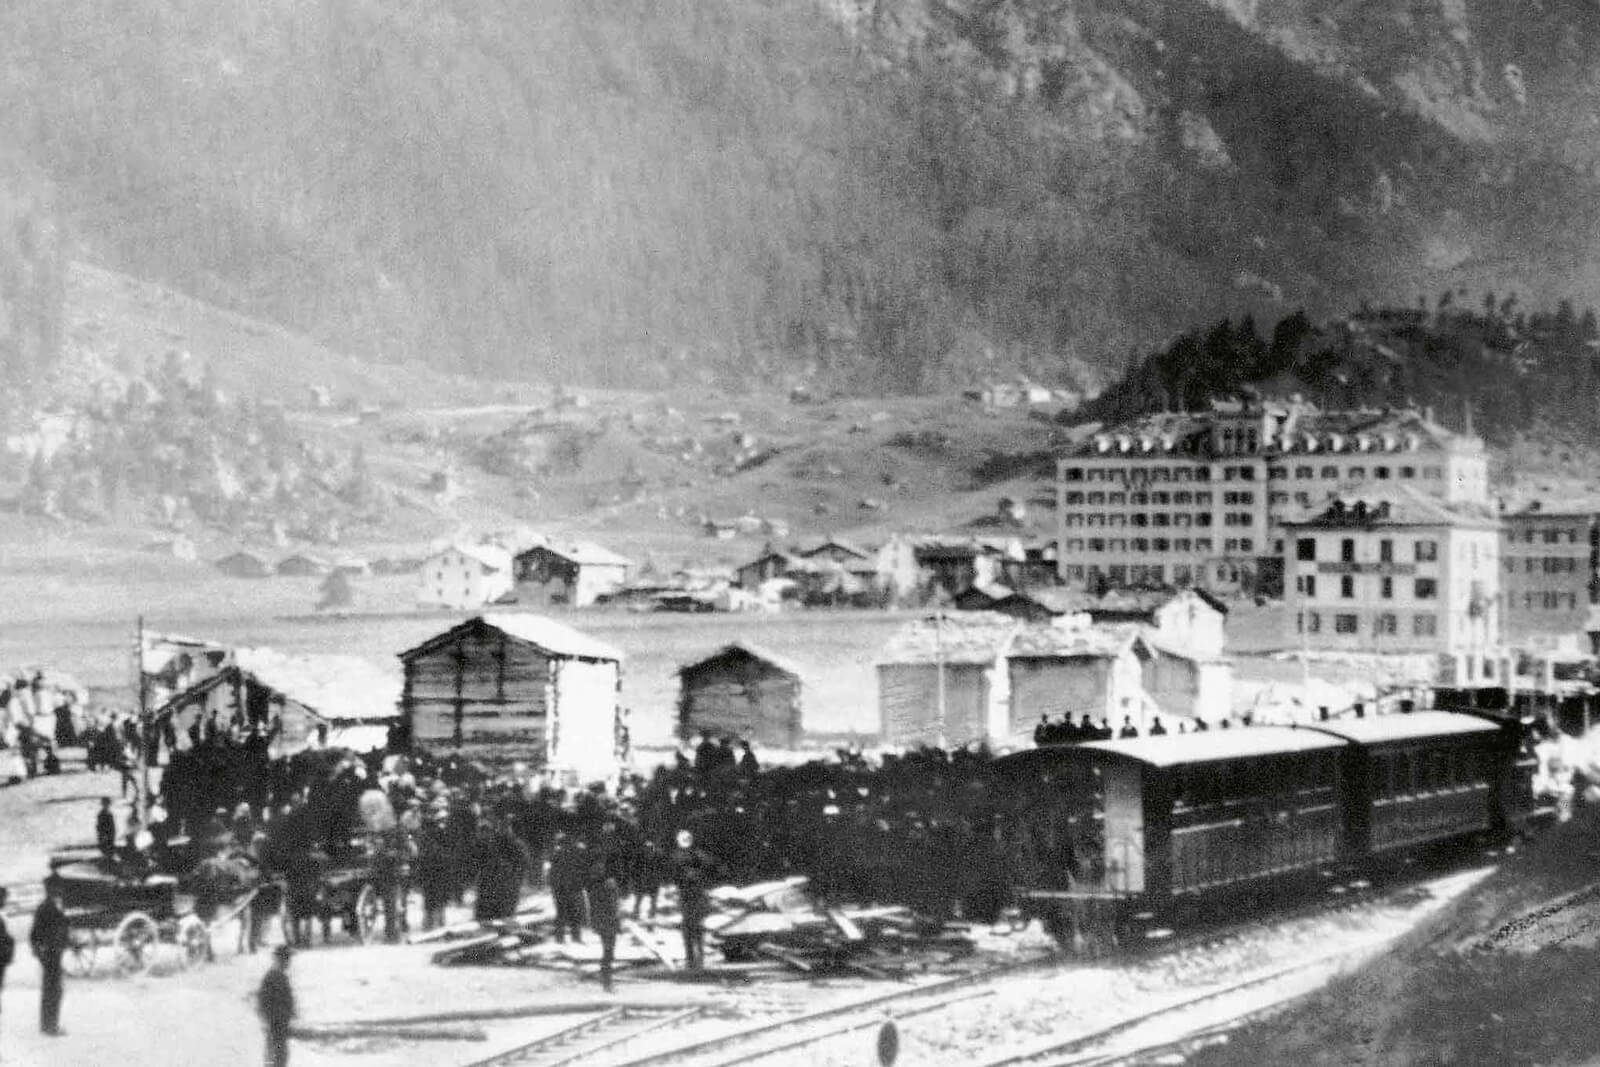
(78, 960)
(369, 915)
(135, 943)
(194, 941)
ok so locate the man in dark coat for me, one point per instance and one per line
(605, 900)
(691, 872)
(275, 1004)
(8, 945)
(50, 938)
(105, 830)
(568, 869)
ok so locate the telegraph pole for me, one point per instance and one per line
(144, 725)
(938, 646)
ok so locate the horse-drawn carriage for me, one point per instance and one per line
(124, 911)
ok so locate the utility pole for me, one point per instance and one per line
(144, 724)
(938, 657)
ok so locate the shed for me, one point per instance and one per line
(742, 691)
(309, 700)
(941, 678)
(244, 565)
(1058, 670)
(511, 686)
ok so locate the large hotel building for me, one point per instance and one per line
(1200, 498)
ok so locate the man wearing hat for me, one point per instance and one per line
(275, 1003)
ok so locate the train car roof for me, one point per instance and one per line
(1209, 746)
(1407, 726)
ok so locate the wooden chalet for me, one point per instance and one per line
(741, 691)
(574, 575)
(302, 701)
(508, 686)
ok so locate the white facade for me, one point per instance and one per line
(1397, 582)
(464, 577)
(1199, 498)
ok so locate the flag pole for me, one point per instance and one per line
(144, 725)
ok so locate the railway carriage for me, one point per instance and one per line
(1153, 825)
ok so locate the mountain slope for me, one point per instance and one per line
(894, 194)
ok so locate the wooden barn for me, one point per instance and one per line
(744, 692)
(304, 701)
(505, 687)
(942, 679)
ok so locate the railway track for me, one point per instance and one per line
(605, 1033)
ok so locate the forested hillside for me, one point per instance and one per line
(891, 195)
(1507, 369)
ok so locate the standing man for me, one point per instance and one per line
(50, 939)
(275, 1003)
(105, 830)
(8, 945)
(690, 871)
(605, 902)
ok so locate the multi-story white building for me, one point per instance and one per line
(1397, 572)
(1181, 499)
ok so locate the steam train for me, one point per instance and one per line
(1102, 832)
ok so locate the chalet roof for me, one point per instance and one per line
(1073, 642)
(967, 637)
(492, 557)
(332, 687)
(807, 551)
(1056, 601)
(583, 553)
(537, 630)
(1391, 506)
(1146, 601)
(783, 663)
(788, 558)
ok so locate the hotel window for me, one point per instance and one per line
(1347, 550)
(1433, 473)
(1276, 473)
(1386, 588)
(1424, 626)
(1117, 544)
(1074, 498)
(1246, 545)
(1530, 564)
(1247, 474)
(1097, 520)
(1511, 566)
(1203, 544)
(1357, 473)
(1202, 499)
(1408, 472)
(1183, 544)
(1386, 551)
(1427, 588)
(1427, 551)
(1097, 544)
(1182, 520)
(1278, 498)
(1075, 520)
(1161, 544)
(1141, 519)
(1182, 574)
(1163, 519)
(1160, 498)
(1075, 572)
(1118, 521)
(1344, 624)
(1527, 601)
(1313, 623)
(1097, 498)
(1073, 474)
(1184, 497)
(1203, 519)
(1075, 545)
(1117, 498)
(1552, 537)
(1303, 499)
(1139, 498)
(1347, 586)
(1182, 474)
(1386, 624)
(1305, 472)
(1117, 573)
(1380, 472)
(1141, 545)
(1307, 584)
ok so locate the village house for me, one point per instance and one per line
(302, 701)
(956, 565)
(573, 575)
(303, 566)
(941, 680)
(244, 565)
(1550, 569)
(1068, 671)
(464, 576)
(771, 564)
(741, 691)
(505, 687)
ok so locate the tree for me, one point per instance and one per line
(336, 591)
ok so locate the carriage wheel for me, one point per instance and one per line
(78, 960)
(369, 914)
(135, 943)
(194, 941)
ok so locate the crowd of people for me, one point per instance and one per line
(1065, 732)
